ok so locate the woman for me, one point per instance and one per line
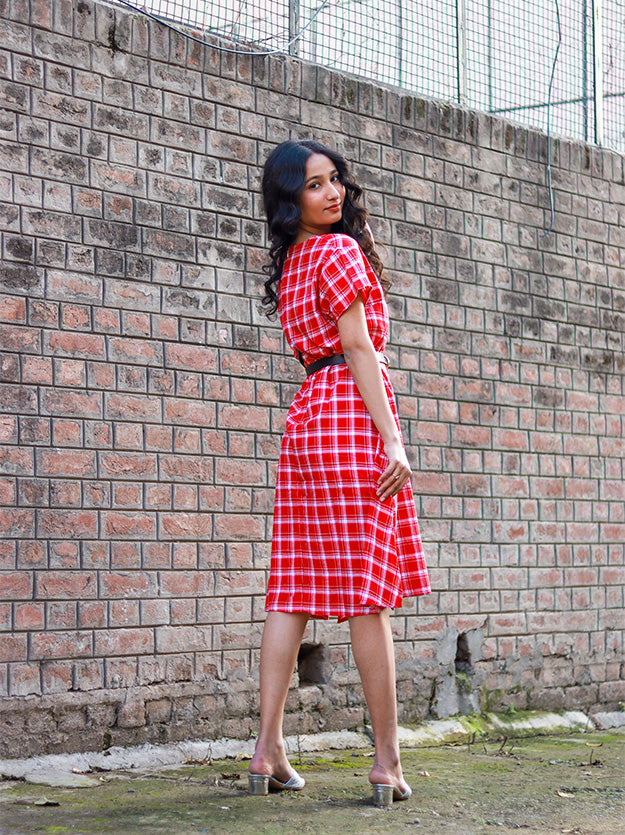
(346, 540)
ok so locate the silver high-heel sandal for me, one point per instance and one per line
(384, 795)
(260, 784)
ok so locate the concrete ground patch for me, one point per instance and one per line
(536, 785)
(470, 775)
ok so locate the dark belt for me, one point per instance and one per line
(334, 359)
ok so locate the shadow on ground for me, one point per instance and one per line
(571, 785)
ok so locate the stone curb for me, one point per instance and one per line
(72, 770)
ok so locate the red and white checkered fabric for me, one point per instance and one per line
(337, 551)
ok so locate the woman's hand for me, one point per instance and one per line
(398, 472)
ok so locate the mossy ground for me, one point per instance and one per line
(539, 786)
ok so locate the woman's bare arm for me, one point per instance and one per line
(364, 365)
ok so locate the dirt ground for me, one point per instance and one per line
(571, 785)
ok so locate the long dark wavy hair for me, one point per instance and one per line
(283, 182)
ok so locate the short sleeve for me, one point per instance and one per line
(343, 276)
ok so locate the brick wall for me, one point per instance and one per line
(143, 396)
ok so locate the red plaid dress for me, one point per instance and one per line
(337, 551)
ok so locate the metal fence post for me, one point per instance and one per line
(461, 51)
(293, 27)
(400, 43)
(597, 49)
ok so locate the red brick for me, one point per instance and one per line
(106, 320)
(238, 583)
(189, 412)
(185, 468)
(426, 483)
(64, 555)
(127, 496)
(66, 433)
(212, 498)
(185, 584)
(233, 636)
(67, 343)
(123, 613)
(12, 309)
(24, 679)
(67, 523)
(55, 462)
(19, 339)
(510, 439)
(184, 555)
(154, 612)
(240, 555)
(508, 624)
(182, 639)
(243, 417)
(192, 357)
(127, 464)
(75, 317)
(6, 618)
(132, 584)
(37, 370)
(69, 373)
(132, 407)
(185, 497)
(183, 611)
(239, 527)
(129, 525)
(16, 461)
(44, 313)
(136, 324)
(250, 365)
(157, 555)
(128, 436)
(124, 642)
(61, 615)
(471, 484)
(13, 647)
(7, 491)
(92, 615)
(8, 429)
(135, 351)
(613, 575)
(16, 585)
(29, 616)
(131, 714)
(185, 526)
(57, 677)
(66, 585)
(160, 438)
(241, 445)
(75, 403)
(31, 554)
(125, 554)
(44, 645)
(158, 497)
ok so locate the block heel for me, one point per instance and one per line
(382, 794)
(258, 784)
(261, 783)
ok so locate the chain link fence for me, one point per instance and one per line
(548, 64)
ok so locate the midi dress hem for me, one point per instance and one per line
(337, 550)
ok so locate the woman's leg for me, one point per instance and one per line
(372, 644)
(282, 637)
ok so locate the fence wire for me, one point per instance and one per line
(492, 55)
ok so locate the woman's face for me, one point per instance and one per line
(321, 201)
